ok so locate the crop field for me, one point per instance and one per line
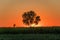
(31, 30)
(39, 33)
(29, 36)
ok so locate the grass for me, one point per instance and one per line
(33, 30)
(30, 37)
(38, 33)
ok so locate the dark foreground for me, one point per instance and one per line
(31, 33)
(30, 37)
(31, 30)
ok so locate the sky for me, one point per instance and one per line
(11, 11)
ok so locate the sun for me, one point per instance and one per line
(34, 25)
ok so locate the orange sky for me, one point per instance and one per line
(12, 10)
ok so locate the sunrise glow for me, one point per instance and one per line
(34, 25)
(11, 12)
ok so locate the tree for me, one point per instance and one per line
(25, 18)
(30, 17)
(37, 19)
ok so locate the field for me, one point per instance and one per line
(31, 30)
(31, 33)
(29, 36)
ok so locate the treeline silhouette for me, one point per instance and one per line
(31, 30)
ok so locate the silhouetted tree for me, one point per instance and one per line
(26, 22)
(31, 15)
(30, 18)
(25, 18)
(37, 19)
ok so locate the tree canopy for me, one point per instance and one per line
(30, 17)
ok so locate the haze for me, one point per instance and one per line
(12, 10)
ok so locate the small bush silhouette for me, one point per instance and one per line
(14, 25)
